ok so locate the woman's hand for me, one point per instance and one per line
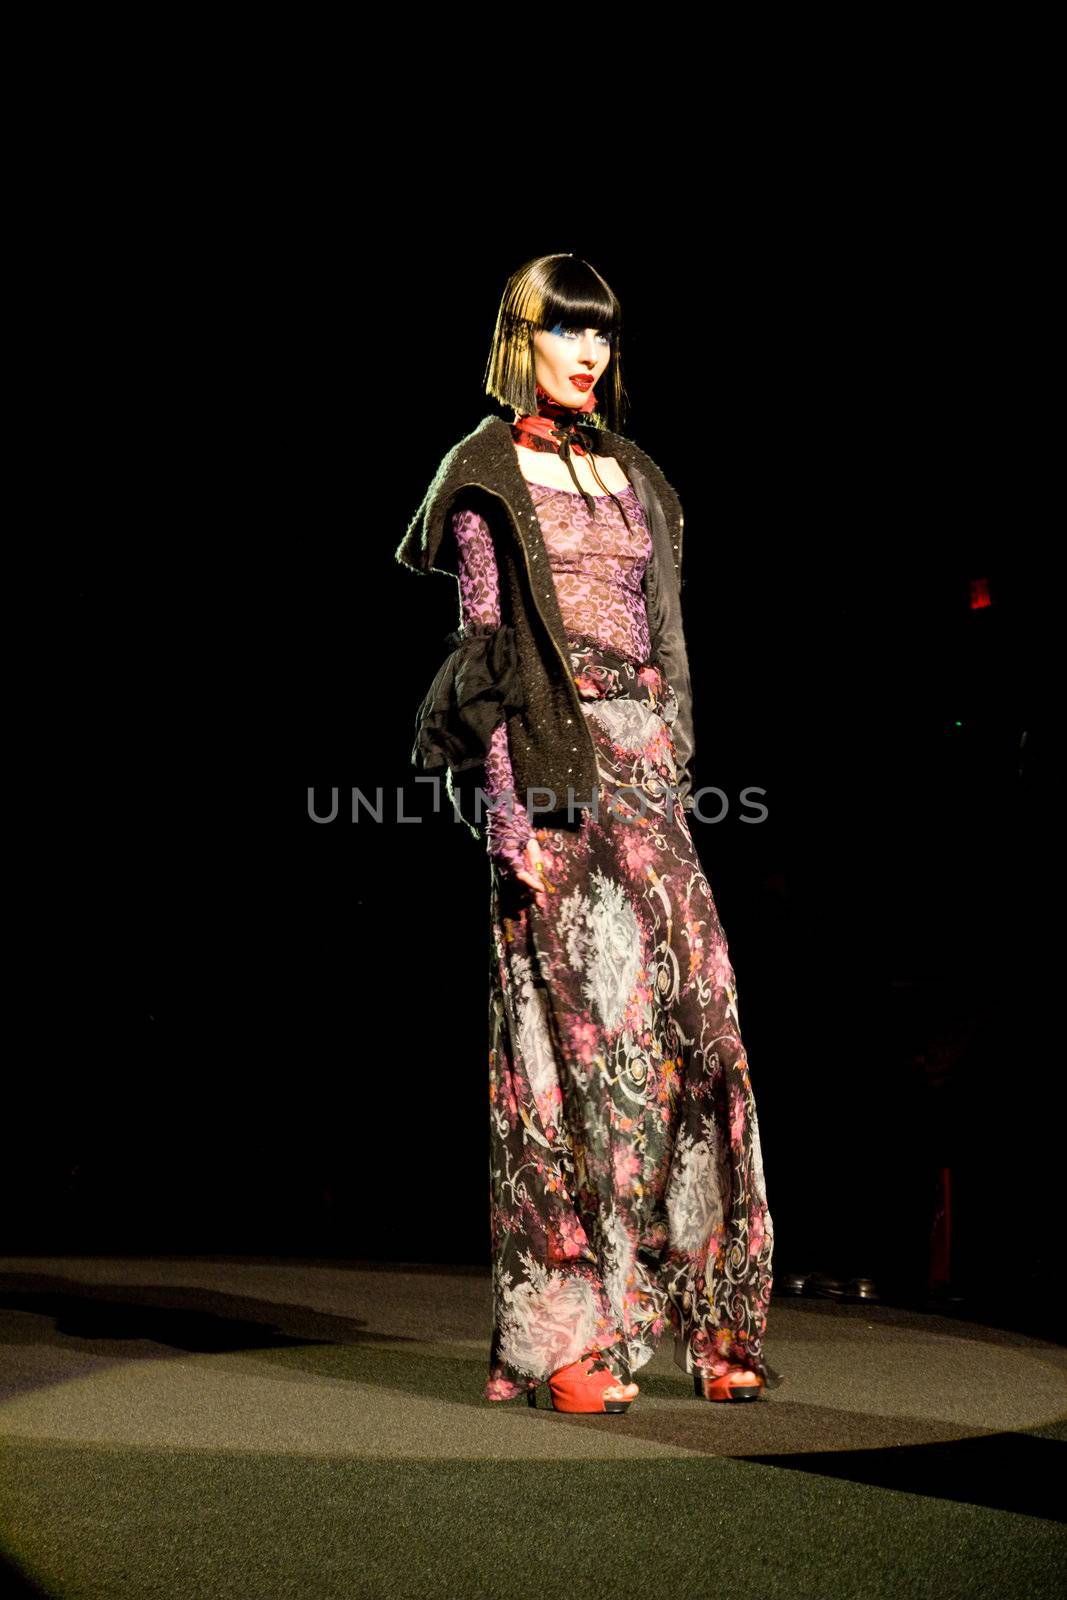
(531, 870)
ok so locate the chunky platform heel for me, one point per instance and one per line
(582, 1388)
(736, 1383)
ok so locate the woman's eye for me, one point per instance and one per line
(575, 333)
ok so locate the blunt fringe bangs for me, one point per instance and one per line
(548, 291)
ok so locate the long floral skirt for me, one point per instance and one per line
(627, 1187)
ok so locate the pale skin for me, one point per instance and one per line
(557, 356)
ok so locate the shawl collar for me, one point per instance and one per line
(550, 744)
(487, 456)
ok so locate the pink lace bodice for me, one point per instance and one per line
(598, 568)
(598, 565)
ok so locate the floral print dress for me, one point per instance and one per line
(627, 1190)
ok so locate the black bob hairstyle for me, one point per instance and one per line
(551, 291)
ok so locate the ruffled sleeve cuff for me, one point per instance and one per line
(475, 688)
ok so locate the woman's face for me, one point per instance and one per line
(561, 354)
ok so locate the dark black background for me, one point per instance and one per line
(258, 1032)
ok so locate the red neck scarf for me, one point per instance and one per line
(556, 427)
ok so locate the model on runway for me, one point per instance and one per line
(627, 1186)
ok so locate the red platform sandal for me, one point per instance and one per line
(581, 1388)
(733, 1383)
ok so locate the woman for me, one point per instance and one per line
(627, 1189)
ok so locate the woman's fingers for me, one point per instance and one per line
(535, 855)
(531, 871)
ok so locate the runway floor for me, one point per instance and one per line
(216, 1426)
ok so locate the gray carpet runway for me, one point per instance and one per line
(235, 1426)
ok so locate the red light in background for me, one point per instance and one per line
(980, 593)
